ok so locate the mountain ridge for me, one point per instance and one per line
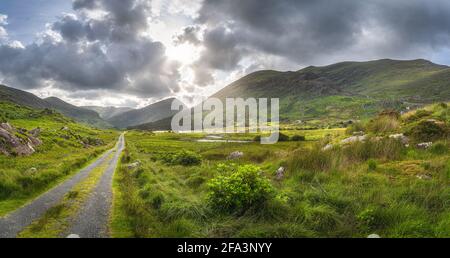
(151, 113)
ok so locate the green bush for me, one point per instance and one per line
(355, 127)
(298, 138)
(372, 165)
(283, 138)
(184, 158)
(243, 189)
(384, 124)
(427, 131)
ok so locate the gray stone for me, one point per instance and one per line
(373, 236)
(401, 137)
(236, 155)
(328, 147)
(280, 173)
(424, 145)
(354, 139)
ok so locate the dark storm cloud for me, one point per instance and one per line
(95, 53)
(314, 31)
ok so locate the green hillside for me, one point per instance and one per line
(66, 147)
(108, 112)
(349, 90)
(8, 94)
(79, 114)
(152, 113)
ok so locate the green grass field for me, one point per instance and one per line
(378, 186)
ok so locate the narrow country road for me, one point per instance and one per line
(15, 222)
(92, 221)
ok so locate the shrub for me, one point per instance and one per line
(384, 124)
(184, 158)
(427, 131)
(243, 189)
(419, 114)
(283, 138)
(298, 138)
(372, 165)
(157, 200)
(355, 127)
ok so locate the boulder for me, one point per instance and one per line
(236, 155)
(280, 173)
(134, 165)
(424, 177)
(401, 137)
(360, 133)
(424, 145)
(373, 236)
(354, 139)
(11, 144)
(7, 127)
(36, 132)
(328, 147)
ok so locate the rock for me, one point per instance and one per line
(32, 170)
(373, 236)
(424, 145)
(280, 173)
(236, 155)
(11, 144)
(424, 177)
(65, 128)
(134, 164)
(360, 133)
(7, 127)
(354, 139)
(22, 130)
(328, 147)
(401, 137)
(73, 236)
(36, 132)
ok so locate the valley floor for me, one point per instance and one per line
(172, 185)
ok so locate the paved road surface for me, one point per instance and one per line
(92, 221)
(15, 222)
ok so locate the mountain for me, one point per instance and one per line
(108, 112)
(160, 125)
(22, 98)
(149, 114)
(77, 113)
(348, 90)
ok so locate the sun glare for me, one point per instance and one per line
(185, 53)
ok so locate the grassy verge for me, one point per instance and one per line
(119, 221)
(56, 220)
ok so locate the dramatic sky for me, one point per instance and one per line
(134, 52)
